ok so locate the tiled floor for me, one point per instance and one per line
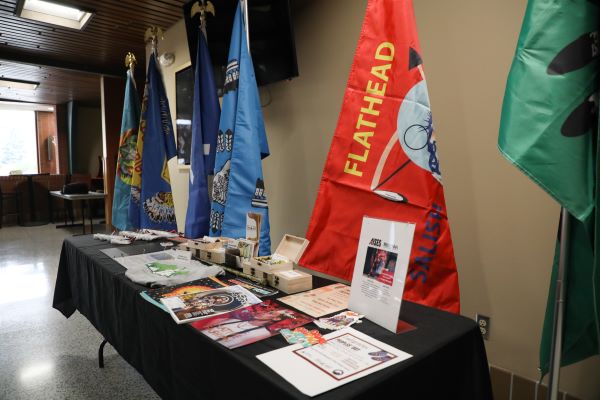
(43, 355)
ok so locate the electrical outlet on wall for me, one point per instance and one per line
(484, 325)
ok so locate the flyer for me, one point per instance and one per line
(321, 301)
(250, 324)
(346, 356)
(380, 270)
(193, 306)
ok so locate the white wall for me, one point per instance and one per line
(503, 225)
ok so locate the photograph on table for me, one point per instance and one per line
(380, 265)
(250, 324)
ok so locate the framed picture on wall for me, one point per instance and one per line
(184, 97)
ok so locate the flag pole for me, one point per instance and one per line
(246, 22)
(130, 62)
(559, 307)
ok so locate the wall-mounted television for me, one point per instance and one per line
(272, 44)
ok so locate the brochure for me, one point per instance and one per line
(193, 306)
(250, 324)
(321, 301)
(199, 285)
(380, 270)
(253, 287)
(347, 355)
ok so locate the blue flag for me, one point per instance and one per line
(205, 125)
(126, 156)
(238, 186)
(151, 203)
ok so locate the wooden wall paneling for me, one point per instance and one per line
(46, 133)
(112, 95)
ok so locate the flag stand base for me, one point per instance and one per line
(404, 327)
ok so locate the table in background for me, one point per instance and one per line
(449, 360)
(84, 197)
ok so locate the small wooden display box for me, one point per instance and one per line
(292, 281)
(288, 253)
(206, 250)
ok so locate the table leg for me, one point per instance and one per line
(101, 354)
(83, 215)
(91, 215)
(31, 202)
(50, 209)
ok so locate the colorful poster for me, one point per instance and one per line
(251, 324)
(383, 161)
(193, 306)
(380, 270)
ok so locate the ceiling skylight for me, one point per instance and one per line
(53, 13)
(18, 84)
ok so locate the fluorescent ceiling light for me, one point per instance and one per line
(13, 105)
(17, 84)
(54, 13)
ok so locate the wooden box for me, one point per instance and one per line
(288, 253)
(263, 271)
(214, 255)
(292, 281)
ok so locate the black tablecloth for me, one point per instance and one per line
(449, 360)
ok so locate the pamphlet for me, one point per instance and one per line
(346, 356)
(339, 321)
(380, 270)
(253, 287)
(199, 285)
(321, 301)
(250, 324)
(193, 306)
(303, 336)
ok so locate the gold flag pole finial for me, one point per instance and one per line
(130, 61)
(153, 34)
(202, 7)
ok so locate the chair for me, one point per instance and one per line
(8, 196)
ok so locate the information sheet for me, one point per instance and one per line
(346, 356)
(321, 301)
(380, 270)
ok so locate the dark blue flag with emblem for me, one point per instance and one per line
(126, 157)
(205, 125)
(238, 186)
(151, 197)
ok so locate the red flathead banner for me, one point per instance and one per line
(383, 162)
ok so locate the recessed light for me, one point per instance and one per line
(54, 13)
(18, 84)
(15, 105)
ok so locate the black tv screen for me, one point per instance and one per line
(271, 38)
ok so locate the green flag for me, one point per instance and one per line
(549, 129)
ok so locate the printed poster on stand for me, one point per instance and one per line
(380, 270)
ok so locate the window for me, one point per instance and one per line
(18, 143)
